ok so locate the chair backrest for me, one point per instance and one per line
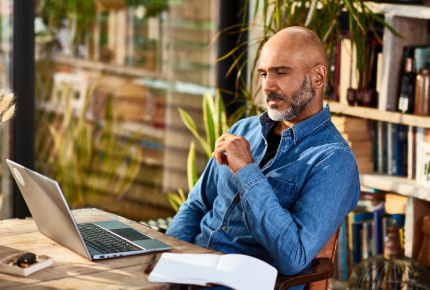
(328, 252)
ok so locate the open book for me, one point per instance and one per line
(234, 271)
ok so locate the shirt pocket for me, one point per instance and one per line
(284, 191)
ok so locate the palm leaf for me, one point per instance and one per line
(182, 195)
(176, 200)
(189, 123)
(173, 201)
(222, 116)
(191, 167)
(208, 117)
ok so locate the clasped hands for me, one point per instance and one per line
(237, 149)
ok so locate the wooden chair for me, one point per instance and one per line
(317, 277)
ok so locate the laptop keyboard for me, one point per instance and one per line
(104, 241)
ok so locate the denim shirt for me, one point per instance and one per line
(287, 211)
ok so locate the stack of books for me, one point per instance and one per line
(356, 133)
(364, 231)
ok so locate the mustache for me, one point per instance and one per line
(274, 96)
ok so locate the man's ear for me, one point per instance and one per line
(319, 76)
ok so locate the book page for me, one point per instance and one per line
(245, 272)
(185, 268)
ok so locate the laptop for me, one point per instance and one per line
(97, 240)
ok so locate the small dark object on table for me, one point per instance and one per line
(27, 259)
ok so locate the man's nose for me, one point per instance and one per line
(269, 85)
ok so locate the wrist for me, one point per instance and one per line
(236, 168)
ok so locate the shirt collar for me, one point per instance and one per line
(304, 128)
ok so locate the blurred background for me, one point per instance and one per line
(109, 76)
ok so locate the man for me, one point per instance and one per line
(279, 185)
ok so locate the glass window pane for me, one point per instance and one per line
(6, 9)
(110, 77)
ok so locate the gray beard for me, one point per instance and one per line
(299, 101)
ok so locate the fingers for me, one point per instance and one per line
(220, 149)
(233, 151)
(219, 155)
(220, 158)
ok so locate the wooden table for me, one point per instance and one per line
(72, 271)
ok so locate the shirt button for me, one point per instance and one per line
(213, 247)
(224, 228)
(237, 200)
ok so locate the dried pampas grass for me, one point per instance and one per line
(7, 107)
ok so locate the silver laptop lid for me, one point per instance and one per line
(48, 208)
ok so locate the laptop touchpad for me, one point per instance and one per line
(130, 234)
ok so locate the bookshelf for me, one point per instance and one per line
(395, 184)
(411, 21)
(411, 11)
(378, 115)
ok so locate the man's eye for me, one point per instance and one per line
(263, 74)
(280, 73)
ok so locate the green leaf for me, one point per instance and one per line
(256, 9)
(224, 31)
(189, 123)
(191, 167)
(208, 117)
(182, 195)
(222, 116)
(176, 200)
(278, 14)
(235, 117)
(381, 20)
(173, 201)
(232, 51)
(68, 112)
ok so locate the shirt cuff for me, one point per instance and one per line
(247, 176)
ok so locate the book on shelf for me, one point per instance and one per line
(356, 133)
(365, 229)
(391, 160)
(349, 124)
(395, 204)
(342, 253)
(365, 165)
(232, 270)
(357, 136)
(359, 245)
(367, 238)
(381, 145)
(392, 150)
(345, 248)
(361, 145)
(427, 135)
(401, 149)
(378, 238)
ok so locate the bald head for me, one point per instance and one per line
(302, 44)
(293, 67)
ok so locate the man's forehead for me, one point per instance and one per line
(278, 58)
